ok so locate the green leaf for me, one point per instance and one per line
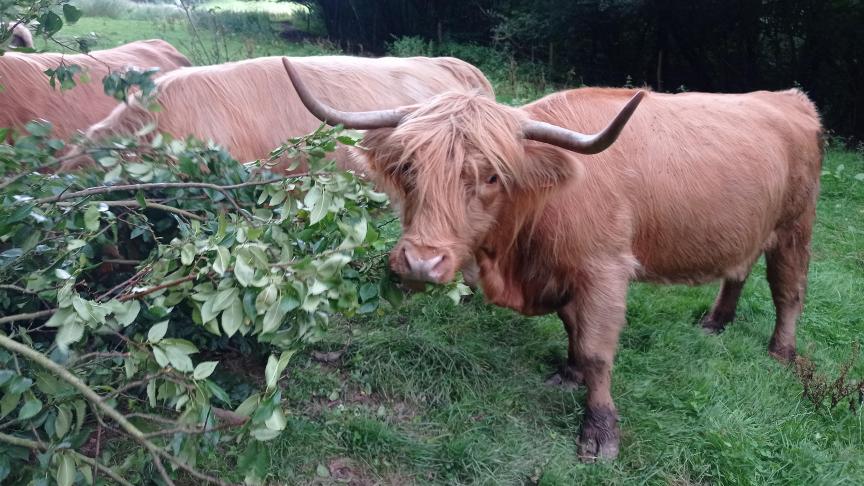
(266, 298)
(8, 403)
(31, 407)
(179, 358)
(277, 420)
(265, 434)
(368, 291)
(91, 218)
(60, 317)
(19, 384)
(65, 469)
(69, 333)
(272, 319)
(248, 406)
(80, 414)
(63, 421)
(129, 313)
(157, 332)
(321, 471)
(223, 259)
(151, 392)
(187, 254)
(204, 369)
(223, 299)
(51, 23)
(161, 356)
(242, 271)
(319, 211)
(71, 13)
(332, 265)
(232, 317)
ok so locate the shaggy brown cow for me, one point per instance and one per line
(20, 36)
(696, 188)
(28, 96)
(250, 107)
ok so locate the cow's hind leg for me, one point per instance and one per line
(723, 311)
(569, 376)
(787, 264)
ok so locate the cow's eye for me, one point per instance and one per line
(492, 179)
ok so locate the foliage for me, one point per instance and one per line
(154, 274)
(705, 45)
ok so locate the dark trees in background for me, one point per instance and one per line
(705, 45)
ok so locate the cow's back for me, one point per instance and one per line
(697, 183)
(28, 96)
(250, 107)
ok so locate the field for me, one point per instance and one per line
(444, 394)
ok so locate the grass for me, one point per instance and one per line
(434, 393)
(272, 7)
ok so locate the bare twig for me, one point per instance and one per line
(161, 468)
(16, 288)
(154, 205)
(27, 317)
(120, 261)
(173, 283)
(91, 356)
(131, 280)
(21, 442)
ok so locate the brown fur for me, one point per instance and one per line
(28, 96)
(21, 36)
(250, 107)
(696, 188)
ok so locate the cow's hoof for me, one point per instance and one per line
(712, 326)
(568, 378)
(599, 438)
(783, 354)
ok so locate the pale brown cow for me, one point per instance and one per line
(250, 107)
(20, 36)
(696, 188)
(28, 96)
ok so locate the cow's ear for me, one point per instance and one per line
(547, 166)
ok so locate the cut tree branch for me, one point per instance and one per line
(21, 442)
(96, 401)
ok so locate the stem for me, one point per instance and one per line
(27, 317)
(154, 186)
(21, 442)
(136, 204)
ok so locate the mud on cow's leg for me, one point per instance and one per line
(599, 314)
(786, 270)
(723, 311)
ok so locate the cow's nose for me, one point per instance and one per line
(424, 265)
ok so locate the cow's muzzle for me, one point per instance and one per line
(422, 263)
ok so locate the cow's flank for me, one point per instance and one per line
(28, 96)
(250, 107)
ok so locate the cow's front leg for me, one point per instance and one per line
(598, 313)
(569, 376)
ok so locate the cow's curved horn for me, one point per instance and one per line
(360, 120)
(580, 142)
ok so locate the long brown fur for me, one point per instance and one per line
(250, 107)
(21, 36)
(696, 188)
(28, 96)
